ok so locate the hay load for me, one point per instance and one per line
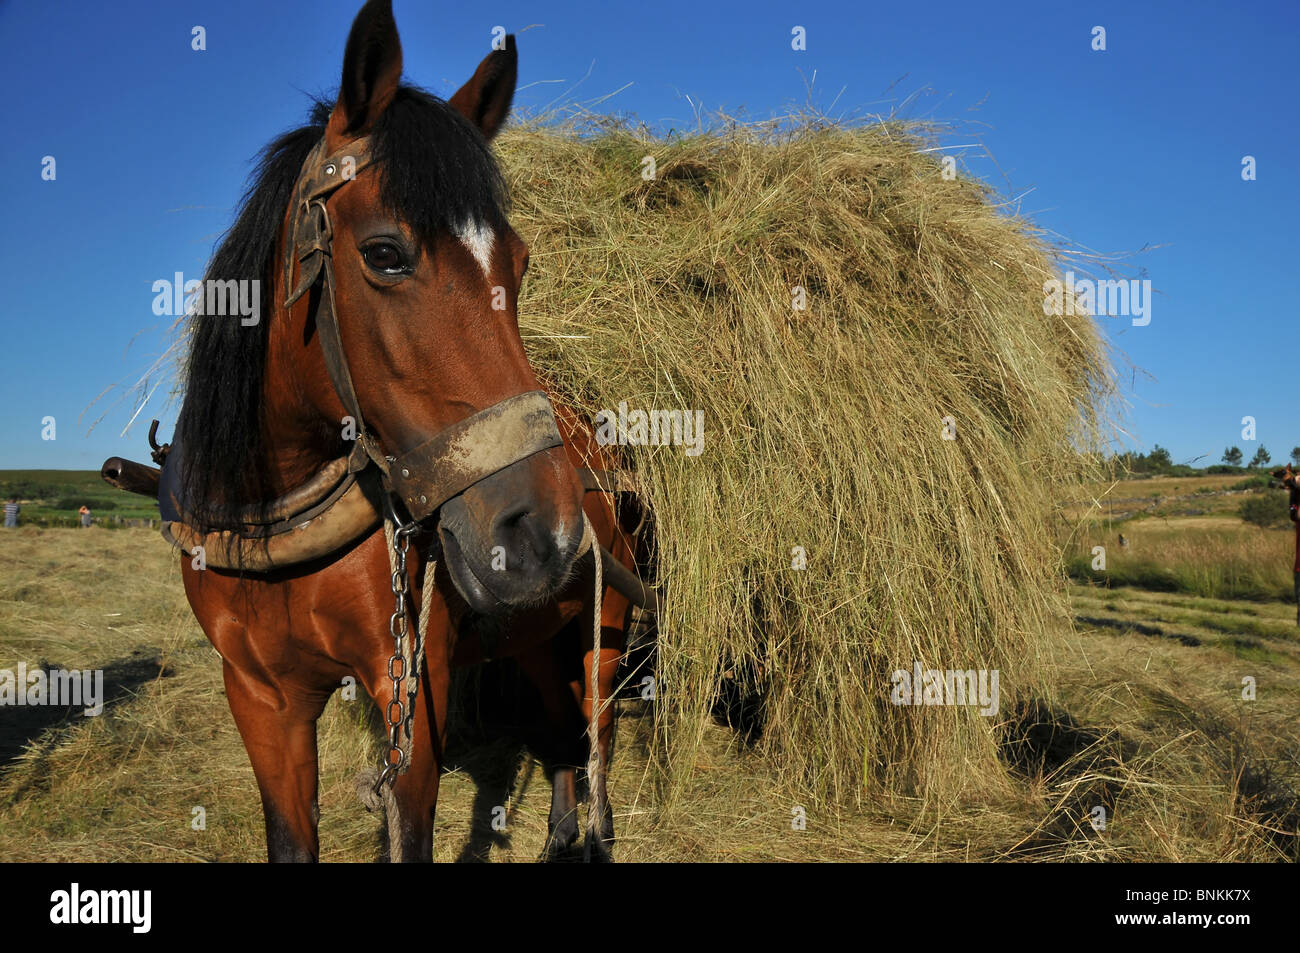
(829, 533)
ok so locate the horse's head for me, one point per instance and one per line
(426, 273)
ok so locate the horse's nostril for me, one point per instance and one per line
(543, 544)
(525, 538)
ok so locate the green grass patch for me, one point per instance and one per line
(53, 498)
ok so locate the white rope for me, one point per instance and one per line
(422, 628)
(597, 708)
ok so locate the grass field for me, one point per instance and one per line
(1146, 719)
(53, 498)
(1185, 535)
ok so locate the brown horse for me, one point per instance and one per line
(422, 275)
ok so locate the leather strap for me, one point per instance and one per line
(473, 449)
(315, 534)
(311, 239)
(603, 481)
(310, 234)
(336, 362)
(301, 501)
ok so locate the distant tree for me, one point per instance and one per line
(1261, 457)
(1295, 456)
(1232, 456)
(1159, 459)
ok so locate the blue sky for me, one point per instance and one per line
(1137, 146)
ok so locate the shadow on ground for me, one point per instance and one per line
(25, 726)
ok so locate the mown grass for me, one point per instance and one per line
(1212, 495)
(1190, 619)
(1214, 557)
(1151, 728)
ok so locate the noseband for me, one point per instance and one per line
(428, 475)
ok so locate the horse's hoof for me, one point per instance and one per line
(557, 851)
(561, 841)
(597, 850)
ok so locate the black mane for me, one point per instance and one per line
(435, 173)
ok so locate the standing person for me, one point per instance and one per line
(85, 516)
(12, 510)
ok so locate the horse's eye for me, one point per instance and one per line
(385, 258)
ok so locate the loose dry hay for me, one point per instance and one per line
(823, 427)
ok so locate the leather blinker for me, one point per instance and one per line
(310, 232)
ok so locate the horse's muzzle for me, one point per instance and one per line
(472, 450)
(510, 541)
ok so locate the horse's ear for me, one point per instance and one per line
(372, 70)
(485, 99)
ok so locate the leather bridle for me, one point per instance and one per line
(426, 476)
(340, 504)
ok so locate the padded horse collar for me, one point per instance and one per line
(428, 475)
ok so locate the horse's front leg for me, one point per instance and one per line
(279, 733)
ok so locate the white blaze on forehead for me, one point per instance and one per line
(478, 238)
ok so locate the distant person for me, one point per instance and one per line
(12, 510)
(85, 516)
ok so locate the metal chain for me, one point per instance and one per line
(399, 714)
